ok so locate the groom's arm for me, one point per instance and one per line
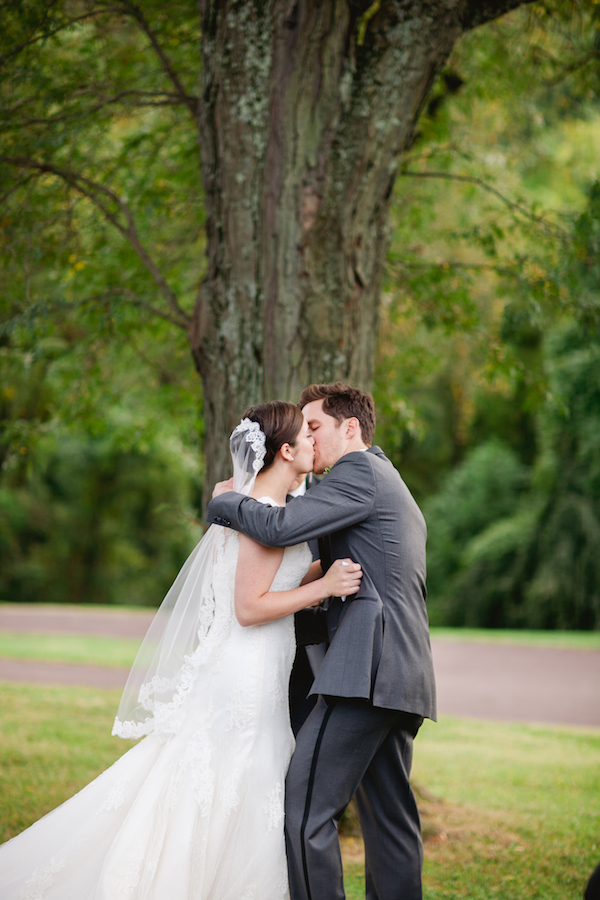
(342, 499)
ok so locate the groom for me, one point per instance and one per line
(376, 682)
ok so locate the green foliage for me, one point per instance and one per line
(494, 243)
(563, 564)
(487, 365)
(95, 524)
(98, 405)
(581, 272)
(99, 478)
(97, 157)
(488, 240)
(509, 551)
(102, 219)
(471, 518)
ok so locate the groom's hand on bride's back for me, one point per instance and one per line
(222, 487)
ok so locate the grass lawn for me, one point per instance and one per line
(112, 651)
(518, 810)
(82, 649)
(567, 640)
(53, 740)
(510, 811)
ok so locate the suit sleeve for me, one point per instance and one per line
(344, 498)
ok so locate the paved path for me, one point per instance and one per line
(484, 681)
(513, 683)
(29, 671)
(44, 618)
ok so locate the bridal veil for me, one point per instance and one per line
(188, 629)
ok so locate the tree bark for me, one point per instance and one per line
(306, 109)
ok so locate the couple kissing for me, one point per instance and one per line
(217, 801)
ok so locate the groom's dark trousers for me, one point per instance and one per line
(377, 675)
(374, 747)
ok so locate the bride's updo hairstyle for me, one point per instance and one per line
(280, 423)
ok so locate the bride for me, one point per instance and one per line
(195, 810)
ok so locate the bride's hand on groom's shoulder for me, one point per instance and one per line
(343, 578)
(222, 487)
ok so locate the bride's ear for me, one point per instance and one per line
(287, 452)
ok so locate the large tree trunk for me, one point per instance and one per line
(306, 109)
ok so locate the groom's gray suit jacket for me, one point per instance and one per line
(379, 638)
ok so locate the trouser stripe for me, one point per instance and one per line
(311, 781)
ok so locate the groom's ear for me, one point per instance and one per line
(352, 427)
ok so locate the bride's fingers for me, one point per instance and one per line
(354, 577)
(352, 586)
(343, 578)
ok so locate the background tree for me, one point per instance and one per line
(302, 116)
(497, 320)
(104, 238)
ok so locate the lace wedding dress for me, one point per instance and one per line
(195, 810)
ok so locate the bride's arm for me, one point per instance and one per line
(315, 571)
(257, 565)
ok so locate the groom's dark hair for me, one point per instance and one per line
(344, 402)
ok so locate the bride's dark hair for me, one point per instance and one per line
(280, 423)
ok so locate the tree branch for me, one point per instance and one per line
(23, 122)
(21, 182)
(46, 34)
(397, 268)
(133, 11)
(478, 12)
(512, 270)
(574, 66)
(132, 298)
(136, 13)
(472, 179)
(99, 195)
(35, 309)
(143, 304)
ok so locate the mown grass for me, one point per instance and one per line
(113, 651)
(568, 640)
(53, 740)
(511, 811)
(520, 812)
(83, 649)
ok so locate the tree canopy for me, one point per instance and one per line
(151, 205)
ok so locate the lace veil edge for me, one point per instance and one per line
(190, 624)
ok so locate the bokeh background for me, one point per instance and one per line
(488, 363)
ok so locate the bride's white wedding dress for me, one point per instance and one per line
(194, 815)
